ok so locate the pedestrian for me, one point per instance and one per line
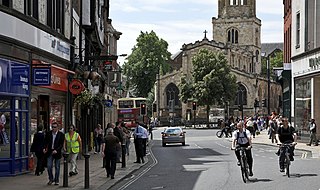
(98, 135)
(138, 141)
(72, 145)
(110, 146)
(118, 132)
(144, 137)
(313, 133)
(127, 137)
(273, 130)
(53, 145)
(37, 147)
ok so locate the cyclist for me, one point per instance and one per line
(241, 137)
(286, 134)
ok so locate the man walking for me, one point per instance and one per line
(109, 151)
(52, 148)
(72, 145)
(313, 133)
(138, 142)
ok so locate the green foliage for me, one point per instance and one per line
(186, 89)
(212, 81)
(84, 98)
(276, 60)
(149, 57)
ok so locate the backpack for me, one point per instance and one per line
(244, 132)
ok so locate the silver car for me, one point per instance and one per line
(173, 135)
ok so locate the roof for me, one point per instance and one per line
(269, 48)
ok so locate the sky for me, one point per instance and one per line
(183, 21)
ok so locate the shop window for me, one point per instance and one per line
(17, 104)
(5, 134)
(17, 134)
(302, 101)
(24, 121)
(4, 104)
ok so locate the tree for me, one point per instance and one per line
(211, 82)
(148, 58)
(276, 60)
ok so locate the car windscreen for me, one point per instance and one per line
(173, 131)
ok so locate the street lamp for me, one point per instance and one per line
(268, 77)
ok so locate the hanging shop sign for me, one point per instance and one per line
(76, 87)
(41, 75)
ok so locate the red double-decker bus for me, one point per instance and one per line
(129, 110)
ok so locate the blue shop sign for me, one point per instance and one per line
(108, 103)
(14, 77)
(41, 76)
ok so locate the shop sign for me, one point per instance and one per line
(76, 87)
(41, 76)
(108, 103)
(14, 77)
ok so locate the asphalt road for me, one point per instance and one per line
(207, 162)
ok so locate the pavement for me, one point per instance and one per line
(97, 174)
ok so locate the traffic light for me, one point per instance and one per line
(256, 103)
(194, 105)
(143, 109)
(264, 103)
(154, 107)
(240, 107)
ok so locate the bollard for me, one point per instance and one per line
(65, 169)
(86, 170)
(123, 161)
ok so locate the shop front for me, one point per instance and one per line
(14, 117)
(306, 90)
(48, 102)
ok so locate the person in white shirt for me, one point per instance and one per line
(242, 137)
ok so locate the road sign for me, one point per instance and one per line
(108, 103)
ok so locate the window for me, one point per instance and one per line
(241, 95)
(31, 8)
(5, 3)
(233, 36)
(243, 2)
(55, 15)
(172, 93)
(298, 30)
(233, 2)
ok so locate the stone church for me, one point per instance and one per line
(237, 33)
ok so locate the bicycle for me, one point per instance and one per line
(244, 163)
(285, 156)
(227, 132)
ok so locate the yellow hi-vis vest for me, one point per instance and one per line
(72, 144)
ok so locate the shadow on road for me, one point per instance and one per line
(254, 180)
(303, 175)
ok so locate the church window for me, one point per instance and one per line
(239, 64)
(241, 95)
(233, 36)
(172, 93)
(257, 55)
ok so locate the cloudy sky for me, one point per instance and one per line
(182, 21)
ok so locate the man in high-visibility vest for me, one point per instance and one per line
(72, 145)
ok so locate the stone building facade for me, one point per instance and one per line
(236, 33)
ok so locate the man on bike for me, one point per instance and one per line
(286, 134)
(241, 137)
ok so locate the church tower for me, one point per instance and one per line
(237, 25)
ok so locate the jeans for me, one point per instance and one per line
(50, 161)
(97, 144)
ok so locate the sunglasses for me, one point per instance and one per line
(54, 126)
(70, 128)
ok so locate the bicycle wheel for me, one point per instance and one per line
(244, 171)
(287, 161)
(219, 134)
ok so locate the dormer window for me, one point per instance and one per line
(233, 36)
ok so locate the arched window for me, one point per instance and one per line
(172, 94)
(233, 35)
(233, 2)
(243, 2)
(257, 55)
(241, 95)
